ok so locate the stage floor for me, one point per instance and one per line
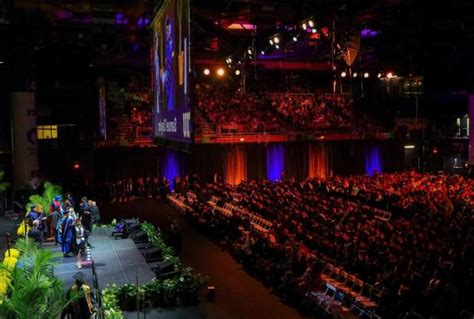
(116, 262)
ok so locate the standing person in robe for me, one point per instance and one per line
(87, 220)
(82, 307)
(80, 238)
(56, 209)
(83, 205)
(95, 212)
(66, 233)
(70, 198)
(87, 217)
(56, 205)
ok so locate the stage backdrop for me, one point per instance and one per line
(299, 160)
(236, 162)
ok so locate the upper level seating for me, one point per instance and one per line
(229, 110)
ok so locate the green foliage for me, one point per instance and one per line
(183, 288)
(3, 185)
(45, 199)
(35, 292)
(157, 241)
(110, 304)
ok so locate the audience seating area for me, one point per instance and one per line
(230, 111)
(386, 246)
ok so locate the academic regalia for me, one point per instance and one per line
(87, 220)
(66, 233)
(82, 307)
(32, 215)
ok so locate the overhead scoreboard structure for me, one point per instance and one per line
(170, 56)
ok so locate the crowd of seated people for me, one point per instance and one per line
(309, 112)
(421, 261)
(230, 109)
(408, 192)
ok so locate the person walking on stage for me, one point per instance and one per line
(80, 243)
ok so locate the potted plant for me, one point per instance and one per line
(126, 296)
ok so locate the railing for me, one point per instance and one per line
(267, 137)
(98, 293)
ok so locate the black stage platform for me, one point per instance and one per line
(116, 261)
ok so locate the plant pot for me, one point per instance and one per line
(170, 302)
(128, 304)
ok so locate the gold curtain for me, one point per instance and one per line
(318, 164)
(235, 165)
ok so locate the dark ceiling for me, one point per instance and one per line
(414, 36)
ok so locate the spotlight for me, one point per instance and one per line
(389, 75)
(276, 40)
(271, 42)
(1, 62)
(237, 72)
(303, 26)
(366, 75)
(206, 72)
(262, 52)
(343, 74)
(311, 23)
(220, 72)
(249, 51)
(229, 60)
(314, 30)
(354, 74)
(379, 75)
(277, 46)
(295, 38)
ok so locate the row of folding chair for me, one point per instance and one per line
(332, 303)
(178, 202)
(379, 213)
(365, 298)
(259, 223)
(226, 210)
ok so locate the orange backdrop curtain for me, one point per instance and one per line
(318, 164)
(235, 165)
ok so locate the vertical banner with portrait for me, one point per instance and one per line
(171, 110)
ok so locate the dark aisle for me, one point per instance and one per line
(238, 295)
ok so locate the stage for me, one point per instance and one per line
(116, 262)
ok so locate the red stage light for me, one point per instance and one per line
(325, 31)
(76, 165)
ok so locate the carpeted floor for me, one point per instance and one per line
(238, 295)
